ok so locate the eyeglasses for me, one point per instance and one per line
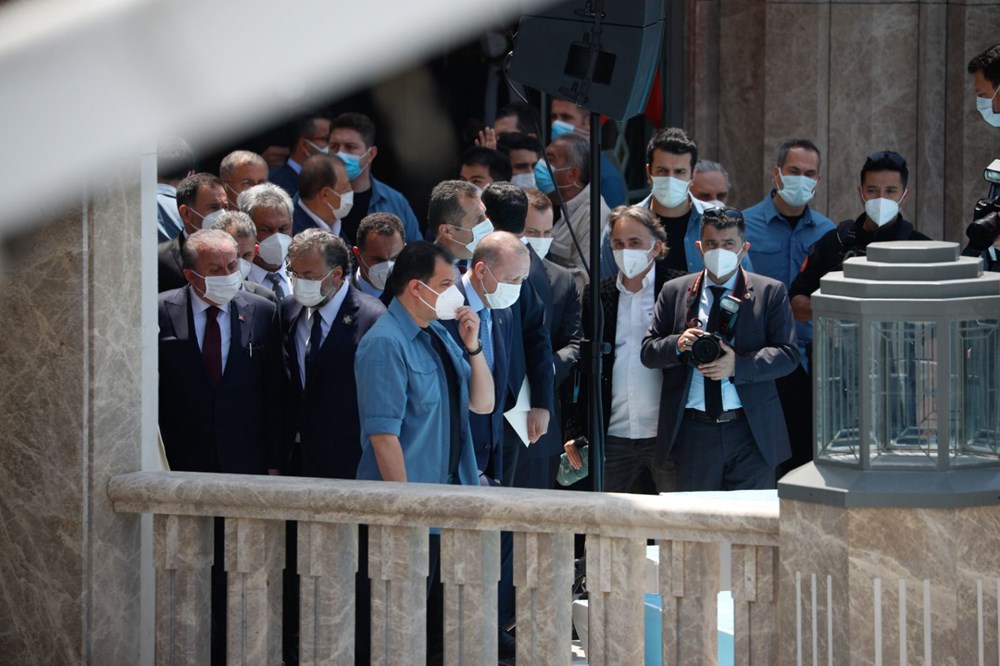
(892, 158)
(716, 212)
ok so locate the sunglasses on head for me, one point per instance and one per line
(892, 158)
(715, 211)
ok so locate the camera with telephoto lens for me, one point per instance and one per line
(985, 226)
(708, 346)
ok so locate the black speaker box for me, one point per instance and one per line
(604, 65)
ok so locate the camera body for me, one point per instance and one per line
(984, 229)
(708, 346)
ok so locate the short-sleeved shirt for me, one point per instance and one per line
(403, 391)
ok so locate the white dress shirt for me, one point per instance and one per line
(365, 286)
(327, 314)
(696, 393)
(259, 275)
(198, 309)
(635, 389)
(332, 228)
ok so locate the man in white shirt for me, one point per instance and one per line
(270, 208)
(325, 196)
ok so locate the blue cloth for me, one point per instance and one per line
(695, 263)
(778, 250)
(285, 177)
(612, 184)
(168, 219)
(387, 200)
(402, 392)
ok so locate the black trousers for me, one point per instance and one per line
(719, 456)
(795, 393)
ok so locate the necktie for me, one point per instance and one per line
(315, 337)
(211, 346)
(276, 287)
(713, 387)
(486, 336)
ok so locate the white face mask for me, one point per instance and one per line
(479, 232)
(320, 151)
(670, 191)
(632, 262)
(220, 289)
(797, 190)
(720, 262)
(378, 274)
(207, 220)
(346, 204)
(310, 292)
(526, 181)
(245, 267)
(985, 107)
(539, 245)
(504, 296)
(881, 211)
(702, 206)
(274, 249)
(448, 302)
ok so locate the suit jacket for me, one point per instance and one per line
(765, 346)
(578, 418)
(325, 412)
(285, 178)
(169, 273)
(301, 221)
(557, 288)
(236, 426)
(487, 429)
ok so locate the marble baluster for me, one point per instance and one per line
(755, 596)
(255, 556)
(543, 576)
(470, 571)
(182, 553)
(616, 571)
(327, 564)
(398, 567)
(689, 585)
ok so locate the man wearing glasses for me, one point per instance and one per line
(720, 419)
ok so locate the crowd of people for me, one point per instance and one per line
(308, 326)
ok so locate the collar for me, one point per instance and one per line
(772, 213)
(328, 311)
(259, 274)
(294, 166)
(471, 297)
(320, 222)
(729, 284)
(579, 201)
(364, 285)
(167, 189)
(199, 304)
(406, 323)
(647, 282)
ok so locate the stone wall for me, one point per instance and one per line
(854, 77)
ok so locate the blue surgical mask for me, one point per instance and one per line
(797, 190)
(561, 128)
(985, 108)
(543, 178)
(352, 163)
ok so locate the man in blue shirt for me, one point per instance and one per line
(352, 139)
(416, 386)
(780, 230)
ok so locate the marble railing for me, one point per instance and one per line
(328, 512)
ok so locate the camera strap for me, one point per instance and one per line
(694, 298)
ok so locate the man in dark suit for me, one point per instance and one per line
(721, 421)
(630, 392)
(557, 290)
(200, 199)
(220, 366)
(323, 325)
(507, 207)
(325, 195)
(310, 136)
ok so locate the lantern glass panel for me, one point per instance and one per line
(975, 391)
(836, 362)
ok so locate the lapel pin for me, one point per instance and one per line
(348, 319)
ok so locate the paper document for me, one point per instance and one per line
(517, 416)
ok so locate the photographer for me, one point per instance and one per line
(984, 232)
(722, 336)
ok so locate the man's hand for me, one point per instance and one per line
(687, 339)
(468, 327)
(722, 367)
(487, 138)
(538, 423)
(573, 454)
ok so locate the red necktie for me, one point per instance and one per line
(211, 348)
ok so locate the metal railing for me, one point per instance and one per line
(687, 529)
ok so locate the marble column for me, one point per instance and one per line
(543, 576)
(470, 571)
(398, 567)
(183, 553)
(327, 564)
(853, 77)
(255, 557)
(74, 403)
(615, 578)
(689, 587)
